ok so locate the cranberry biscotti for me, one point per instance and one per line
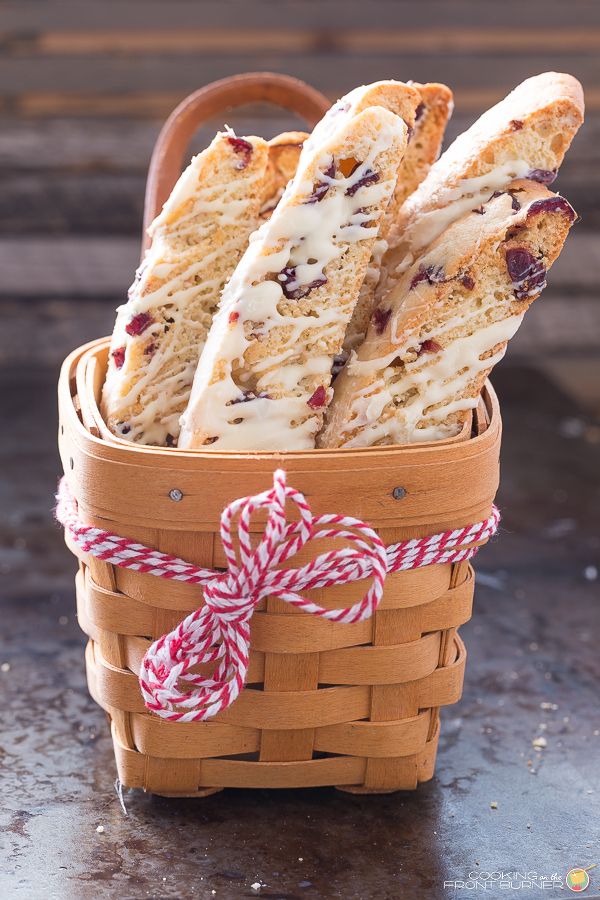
(263, 378)
(430, 120)
(447, 321)
(197, 239)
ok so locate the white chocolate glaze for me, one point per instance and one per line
(305, 239)
(435, 379)
(198, 230)
(451, 203)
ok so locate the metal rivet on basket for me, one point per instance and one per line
(176, 495)
(399, 493)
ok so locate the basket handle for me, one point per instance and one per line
(218, 97)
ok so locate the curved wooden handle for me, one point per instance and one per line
(219, 97)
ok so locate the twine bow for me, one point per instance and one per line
(219, 631)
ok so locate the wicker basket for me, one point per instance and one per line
(355, 706)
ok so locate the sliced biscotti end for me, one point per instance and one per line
(196, 242)
(396, 96)
(431, 117)
(399, 97)
(263, 379)
(427, 353)
(533, 127)
(284, 153)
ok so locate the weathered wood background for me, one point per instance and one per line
(85, 85)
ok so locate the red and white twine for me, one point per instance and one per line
(219, 631)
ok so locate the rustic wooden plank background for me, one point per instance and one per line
(85, 85)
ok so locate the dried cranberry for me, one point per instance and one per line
(550, 205)
(419, 111)
(420, 276)
(380, 318)
(528, 274)
(287, 277)
(138, 324)
(125, 429)
(233, 317)
(370, 177)
(318, 399)
(321, 187)
(431, 274)
(149, 350)
(429, 346)
(243, 148)
(467, 281)
(170, 440)
(119, 357)
(543, 176)
(516, 124)
(514, 202)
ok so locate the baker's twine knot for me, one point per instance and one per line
(216, 637)
(218, 634)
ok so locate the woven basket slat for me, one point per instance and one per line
(116, 688)
(117, 612)
(288, 672)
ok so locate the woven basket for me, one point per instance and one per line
(355, 706)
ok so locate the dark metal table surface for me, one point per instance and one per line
(497, 804)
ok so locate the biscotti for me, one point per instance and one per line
(263, 380)
(430, 119)
(284, 153)
(526, 135)
(201, 233)
(447, 321)
(435, 107)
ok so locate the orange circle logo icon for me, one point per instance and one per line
(577, 880)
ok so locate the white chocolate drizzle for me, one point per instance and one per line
(174, 285)
(427, 381)
(451, 202)
(262, 402)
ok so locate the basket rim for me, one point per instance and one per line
(118, 449)
(447, 484)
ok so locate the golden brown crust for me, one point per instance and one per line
(399, 97)
(434, 110)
